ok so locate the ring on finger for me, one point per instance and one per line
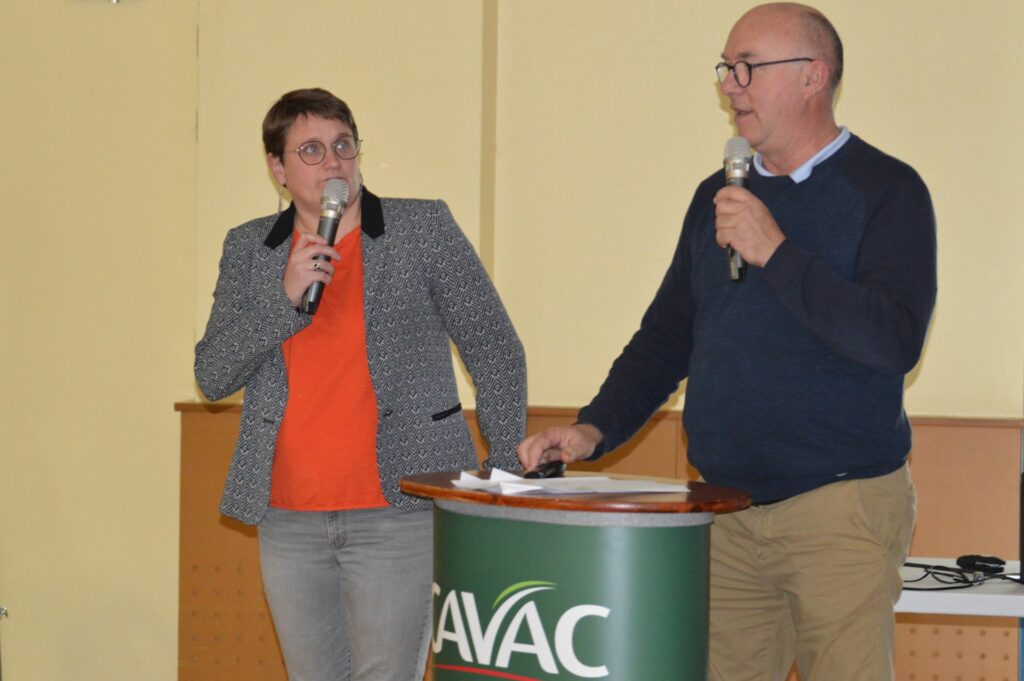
(316, 265)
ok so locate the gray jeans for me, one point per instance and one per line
(349, 592)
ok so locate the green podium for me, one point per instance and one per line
(543, 587)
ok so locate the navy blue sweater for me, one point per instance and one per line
(795, 374)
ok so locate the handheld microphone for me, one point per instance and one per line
(737, 158)
(551, 469)
(332, 205)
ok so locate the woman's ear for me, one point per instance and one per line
(277, 169)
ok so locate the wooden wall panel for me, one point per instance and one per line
(968, 488)
(966, 472)
(224, 628)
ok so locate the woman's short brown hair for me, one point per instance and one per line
(306, 102)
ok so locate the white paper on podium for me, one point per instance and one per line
(502, 482)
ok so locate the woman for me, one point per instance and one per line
(342, 404)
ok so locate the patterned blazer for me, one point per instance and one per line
(423, 286)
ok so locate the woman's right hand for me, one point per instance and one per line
(302, 269)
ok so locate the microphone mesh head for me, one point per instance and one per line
(335, 193)
(737, 147)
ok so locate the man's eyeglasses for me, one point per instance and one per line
(312, 153)
(743, 70)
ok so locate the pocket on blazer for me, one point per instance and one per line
(441, 415)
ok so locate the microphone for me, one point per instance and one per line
(737, 158)
(332, 205)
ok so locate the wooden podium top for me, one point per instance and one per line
(702, 497)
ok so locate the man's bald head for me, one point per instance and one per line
(809, 27)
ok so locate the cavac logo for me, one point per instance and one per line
(459, 622)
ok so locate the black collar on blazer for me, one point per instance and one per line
(373, 220)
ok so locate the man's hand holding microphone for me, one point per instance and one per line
(559, 443)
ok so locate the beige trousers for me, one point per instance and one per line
(813, 578)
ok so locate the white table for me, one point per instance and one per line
(995, 597)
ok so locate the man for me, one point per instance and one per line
(795, 375)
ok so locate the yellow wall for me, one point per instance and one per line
(566, 136)
(98, 184)
(609, 117)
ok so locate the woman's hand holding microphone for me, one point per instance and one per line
(304, 268)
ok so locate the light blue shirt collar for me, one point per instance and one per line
(804, 171)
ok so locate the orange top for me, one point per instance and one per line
(326, 455)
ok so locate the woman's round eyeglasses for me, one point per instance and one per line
(313, 152)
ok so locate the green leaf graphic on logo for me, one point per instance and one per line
(516, 587)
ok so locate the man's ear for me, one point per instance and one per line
(815, 77)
